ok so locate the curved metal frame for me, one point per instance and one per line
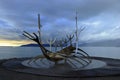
(68, 53)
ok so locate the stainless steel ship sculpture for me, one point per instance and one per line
(68, 54)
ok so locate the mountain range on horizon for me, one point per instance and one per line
(103, 43)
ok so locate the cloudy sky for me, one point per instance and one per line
(101, 19)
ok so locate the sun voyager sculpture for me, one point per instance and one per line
(69, 54)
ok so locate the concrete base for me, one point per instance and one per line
(45, 64)
(65, 70)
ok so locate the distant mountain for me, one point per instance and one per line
(105, 43)
(34, 45)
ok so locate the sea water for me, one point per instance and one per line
(18, 52)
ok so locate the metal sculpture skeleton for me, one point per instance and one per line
(68, 54)
(50, 41)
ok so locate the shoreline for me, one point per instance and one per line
(11, 75)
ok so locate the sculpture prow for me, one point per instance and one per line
(48, 54)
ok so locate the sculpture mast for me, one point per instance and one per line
(76, 33)
(39, 28)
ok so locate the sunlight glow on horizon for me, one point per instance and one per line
(14, 42)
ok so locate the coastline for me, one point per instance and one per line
(12, 75)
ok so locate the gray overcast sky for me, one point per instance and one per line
(100, 17)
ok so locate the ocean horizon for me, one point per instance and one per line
(20, 52)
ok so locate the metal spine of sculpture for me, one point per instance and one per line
(70, 37)
(76, 34)
(68, 53)
(50, 42)
(39, 28)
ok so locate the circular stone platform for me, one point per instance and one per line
(45, 64)
(108, 67)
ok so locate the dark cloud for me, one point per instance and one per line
(57, 16)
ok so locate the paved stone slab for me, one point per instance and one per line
(108, 70)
